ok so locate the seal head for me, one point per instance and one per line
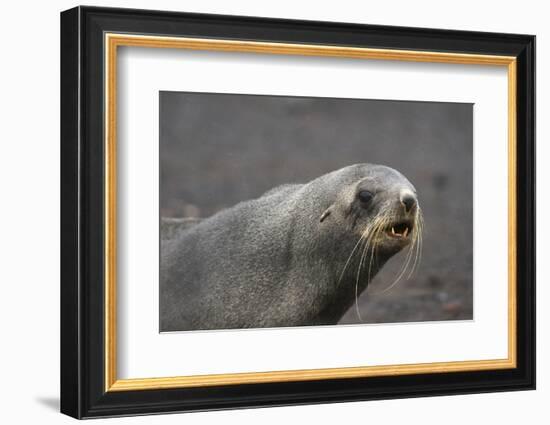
(381, 201)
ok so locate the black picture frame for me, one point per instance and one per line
(83, 392)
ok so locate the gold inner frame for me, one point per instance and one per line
(113, 41)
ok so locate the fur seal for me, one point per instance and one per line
(298, 255)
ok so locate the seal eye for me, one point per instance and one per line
(365, 196)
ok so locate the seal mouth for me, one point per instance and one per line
(399, 230)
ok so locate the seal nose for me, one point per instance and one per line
(408, 200)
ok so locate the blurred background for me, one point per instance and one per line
(219, 149)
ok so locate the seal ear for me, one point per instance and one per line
(325, 214)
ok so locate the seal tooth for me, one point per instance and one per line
(406, 232)
(392, 231)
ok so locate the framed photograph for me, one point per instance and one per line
(261, 212)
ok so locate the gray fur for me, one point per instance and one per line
(170, 227)
(272, 261)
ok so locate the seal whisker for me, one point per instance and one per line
(420, 238)
(363, 252)
(379, 224)
(385, 220)
(363, 236)
(416, 242)
(415, 248)
(420, 232)
(402, 271)
(372, 232)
